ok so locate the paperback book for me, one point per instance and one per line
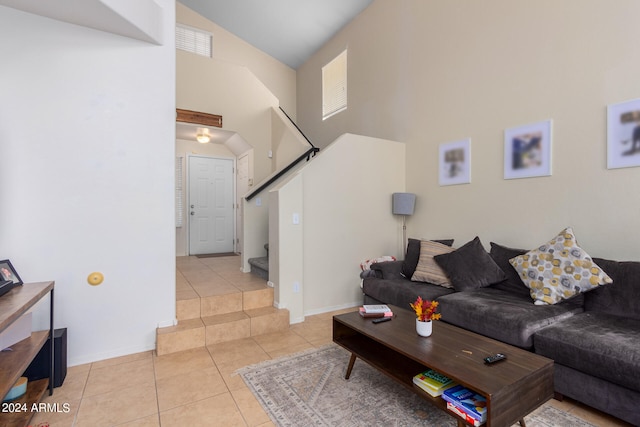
(376, 308)
(433, 382)
(459, 412)
(468, 401)
(383, 314)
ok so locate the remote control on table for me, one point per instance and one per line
(495, 358)
(381, 319)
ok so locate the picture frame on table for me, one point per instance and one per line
(527, 150)
(455, 163)
(9, 273)
(623, 134)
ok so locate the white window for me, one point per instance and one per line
(334, 86)
(194, 40)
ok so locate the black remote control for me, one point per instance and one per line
(381, 319)
(495, 358)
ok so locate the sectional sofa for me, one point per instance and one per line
(592, 334)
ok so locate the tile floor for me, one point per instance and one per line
(194, 387)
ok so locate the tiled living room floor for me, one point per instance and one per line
(195, 387)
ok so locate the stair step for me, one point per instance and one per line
(260, 267)
(194, 333)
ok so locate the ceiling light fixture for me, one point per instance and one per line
(203, 135)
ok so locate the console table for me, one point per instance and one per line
(13, 363)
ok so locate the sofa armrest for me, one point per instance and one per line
(388, 270)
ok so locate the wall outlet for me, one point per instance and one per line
(296, 287)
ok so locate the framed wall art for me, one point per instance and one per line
(7, 272)
(623, 134)
(527, 150)
(455, 162)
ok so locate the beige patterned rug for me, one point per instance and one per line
(309, 389)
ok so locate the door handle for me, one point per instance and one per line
(193, 213)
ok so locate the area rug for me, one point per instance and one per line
(309, 389)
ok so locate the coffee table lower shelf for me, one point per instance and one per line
(395, 365)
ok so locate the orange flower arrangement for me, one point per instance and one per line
(426, 310)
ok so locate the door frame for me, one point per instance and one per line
(187, 187)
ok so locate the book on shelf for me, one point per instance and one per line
(433, 382)
(459, 412)
(376, 308)
(363, 313)
(468, 401)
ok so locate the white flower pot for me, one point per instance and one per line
(424, 329)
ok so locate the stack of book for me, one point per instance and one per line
(378, 310)
(433, 382)
(467, 404)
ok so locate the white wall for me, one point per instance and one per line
(431, 72)
(87, 134)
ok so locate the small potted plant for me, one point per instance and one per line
(425, 312)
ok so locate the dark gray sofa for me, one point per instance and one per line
(593, 338)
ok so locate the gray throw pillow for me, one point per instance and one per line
(470, 267)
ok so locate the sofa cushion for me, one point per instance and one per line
(428, 270)
(413, 255)
(622, 297)
(388, 270)
(401, 292)
(470, 267)
(501, 255)
(559, 269)
(599, 344)
(502, 315)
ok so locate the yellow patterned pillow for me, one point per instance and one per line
(558, 270)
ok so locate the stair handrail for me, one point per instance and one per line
(311, 152)
(299, 130)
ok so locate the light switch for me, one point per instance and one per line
(258, 201)
(296, 218)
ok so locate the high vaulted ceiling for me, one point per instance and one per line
(289, 30)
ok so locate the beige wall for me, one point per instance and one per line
(432, 72)
(278, 77)
(343, 201)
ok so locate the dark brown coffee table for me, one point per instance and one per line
(513, 387)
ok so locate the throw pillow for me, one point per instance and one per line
(501, 255)
(427, 269)
(413, 256)
(470, 267)
(558, 270)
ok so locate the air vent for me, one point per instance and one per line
(194, 40)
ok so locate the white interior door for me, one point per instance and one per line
(211, 222)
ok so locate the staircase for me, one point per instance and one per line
(216, 302)
(260, 266)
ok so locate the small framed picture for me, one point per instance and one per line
(7, 272)
(623, 134)
(455, 162)
(527, 150)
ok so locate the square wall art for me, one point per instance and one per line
(455, 162)
(527, 150)
(623, 134)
